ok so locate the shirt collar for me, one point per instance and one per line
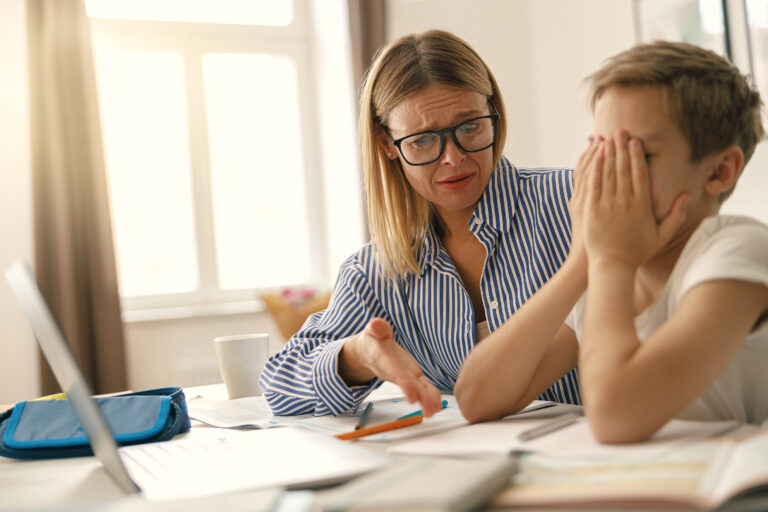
(498, 203)
(496, 208)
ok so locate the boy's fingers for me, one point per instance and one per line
(673, 220)
(639, 167)
(609, 169)
(623, 163)
(594, 179)
(586, 157)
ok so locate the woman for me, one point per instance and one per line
(460, 239)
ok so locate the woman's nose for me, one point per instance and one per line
(452, 153)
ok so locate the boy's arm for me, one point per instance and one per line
(631, 388)
(523, 357)
(533, 348)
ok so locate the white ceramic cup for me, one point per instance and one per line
(241, 359)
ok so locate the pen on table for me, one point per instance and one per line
(382, 427)
(443, 405)
(550, 426)
(364, 417)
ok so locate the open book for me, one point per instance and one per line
(704, 475)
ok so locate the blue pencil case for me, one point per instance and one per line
(48, 429)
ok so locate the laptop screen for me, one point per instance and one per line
(68, 374)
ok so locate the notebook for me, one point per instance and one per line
(424, 485)
(203, 462)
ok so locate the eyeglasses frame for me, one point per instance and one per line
(441, 134)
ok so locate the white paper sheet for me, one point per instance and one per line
(210, 461)
(576, 440)
(253, 412)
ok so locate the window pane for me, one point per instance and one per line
(239, 12)
(698, 22)
(144, 124)
(757, 17)
(257, 170)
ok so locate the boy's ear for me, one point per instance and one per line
(725, 172)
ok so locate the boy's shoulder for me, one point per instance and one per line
(730, 228)
(723, 247)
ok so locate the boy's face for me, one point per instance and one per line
(642, 112)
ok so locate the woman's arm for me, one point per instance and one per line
(303, 377)
(341, 354)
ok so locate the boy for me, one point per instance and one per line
(673, 323)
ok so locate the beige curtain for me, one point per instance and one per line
(74, 253)
(368, 32)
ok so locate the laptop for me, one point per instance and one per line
(203, 462)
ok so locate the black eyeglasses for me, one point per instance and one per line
(470, 136)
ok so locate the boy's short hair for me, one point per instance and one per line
(712, 102)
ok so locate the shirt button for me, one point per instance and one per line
(493, 304)
(478, 221)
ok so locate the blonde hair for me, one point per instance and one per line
(398, 217)
(710, 100)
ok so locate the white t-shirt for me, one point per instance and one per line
(723, 247)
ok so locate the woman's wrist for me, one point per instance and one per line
(351, 367)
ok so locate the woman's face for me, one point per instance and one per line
(456, 180)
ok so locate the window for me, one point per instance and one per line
(699, 22)
(737, 29)
(211, 142)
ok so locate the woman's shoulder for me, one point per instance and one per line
(538, 178)
(364, 265)
(363, 258)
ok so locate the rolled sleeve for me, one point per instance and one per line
(331, 389)
(303, 378)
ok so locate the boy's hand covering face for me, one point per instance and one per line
(619, 222)
(578, 200)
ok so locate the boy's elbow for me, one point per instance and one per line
(611, 423)
(477, 406)
(470, 402)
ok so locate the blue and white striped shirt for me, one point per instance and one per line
(521, 219)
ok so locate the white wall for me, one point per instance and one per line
(18, 359)
(181, 352)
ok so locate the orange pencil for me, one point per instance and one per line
(383, 427)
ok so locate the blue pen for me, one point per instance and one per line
(443, 405)
(364, 417)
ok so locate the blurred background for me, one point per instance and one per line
(222, 151)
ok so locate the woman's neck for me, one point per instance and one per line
(454, 224)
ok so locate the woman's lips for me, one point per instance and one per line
(457, 181)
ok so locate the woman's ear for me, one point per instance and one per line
(725, 172)
(385, 143)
